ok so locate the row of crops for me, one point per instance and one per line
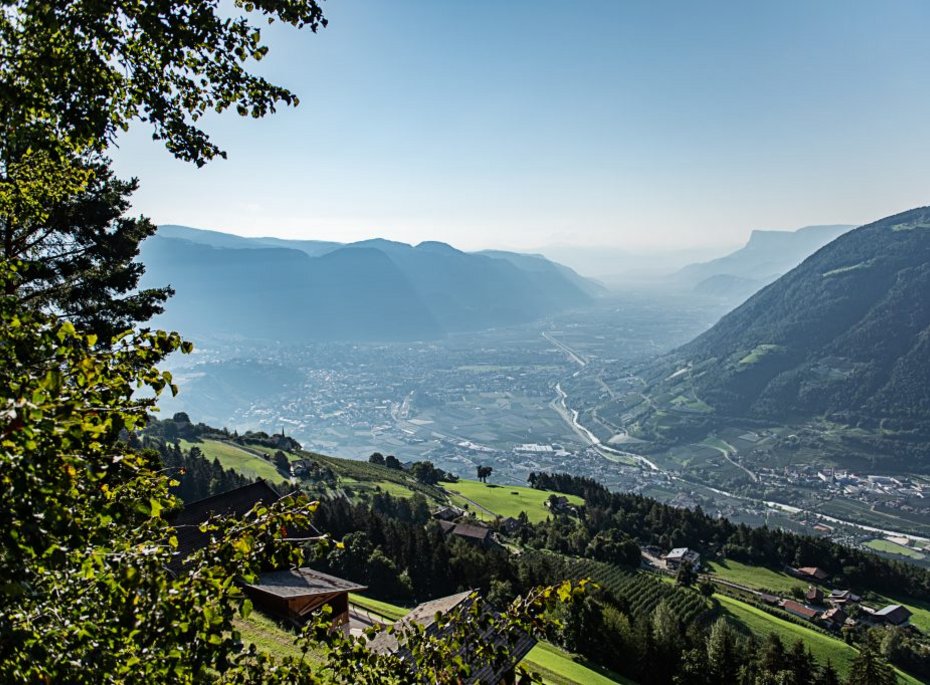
(642, 592)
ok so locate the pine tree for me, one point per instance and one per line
(723, 657)
(869, 668)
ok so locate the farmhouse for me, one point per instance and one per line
(812, 573)
(425, 616)
(291, 594)
(235, 502)
(231, 503)
(814, 595)
(447, 513)
(294, 594)
(799, 610)
(682, 555)
(558, 503)
(510, 525)
(834, 618)
(841, 597)
(478, 535)
(892, 615)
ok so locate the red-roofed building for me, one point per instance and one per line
(799, 610)
(813, 572)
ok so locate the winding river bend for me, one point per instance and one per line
(570, 416)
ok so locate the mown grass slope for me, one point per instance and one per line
(756, 577)
(507, 500)
(238, 459)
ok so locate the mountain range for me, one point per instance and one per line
(765, 257)
(844, 336)
(373, 290)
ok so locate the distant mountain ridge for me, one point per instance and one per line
(377, 289)
(845, 335)
(765, 257)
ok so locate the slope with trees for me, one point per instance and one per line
(842, 338)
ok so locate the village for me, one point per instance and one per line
(832, 609)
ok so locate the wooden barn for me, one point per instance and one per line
(296, 593)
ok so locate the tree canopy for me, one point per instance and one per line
(74, 74)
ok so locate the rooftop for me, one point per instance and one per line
(302, 582)
(469, 531)
(680, 553)
(798, 609)
(231, 503)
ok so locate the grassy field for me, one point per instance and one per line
(237, 459)
(507, 500)
(761, 623)
(758, 353)
(560, 668)
(756, 577)
(883, 545)
(823, 647)
(267, 635)
(389, 611)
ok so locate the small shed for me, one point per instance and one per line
(834, 617)
(840, 597)
(814, 595)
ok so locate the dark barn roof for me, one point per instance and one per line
(425, 615)
(232, 503)
(466, 530)
(301, 582)
(894, 614)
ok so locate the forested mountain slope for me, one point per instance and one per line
(371, 290)
(845, 335)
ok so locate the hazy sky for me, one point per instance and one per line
(521, 123)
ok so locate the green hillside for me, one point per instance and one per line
(241, 459)
(503, 500)
(844, 337)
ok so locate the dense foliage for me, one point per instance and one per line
(633, 623)
(76, 73)
(650, 522)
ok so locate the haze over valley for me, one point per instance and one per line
(515, 361)
(476, 343)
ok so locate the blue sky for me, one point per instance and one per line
(517, 123)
